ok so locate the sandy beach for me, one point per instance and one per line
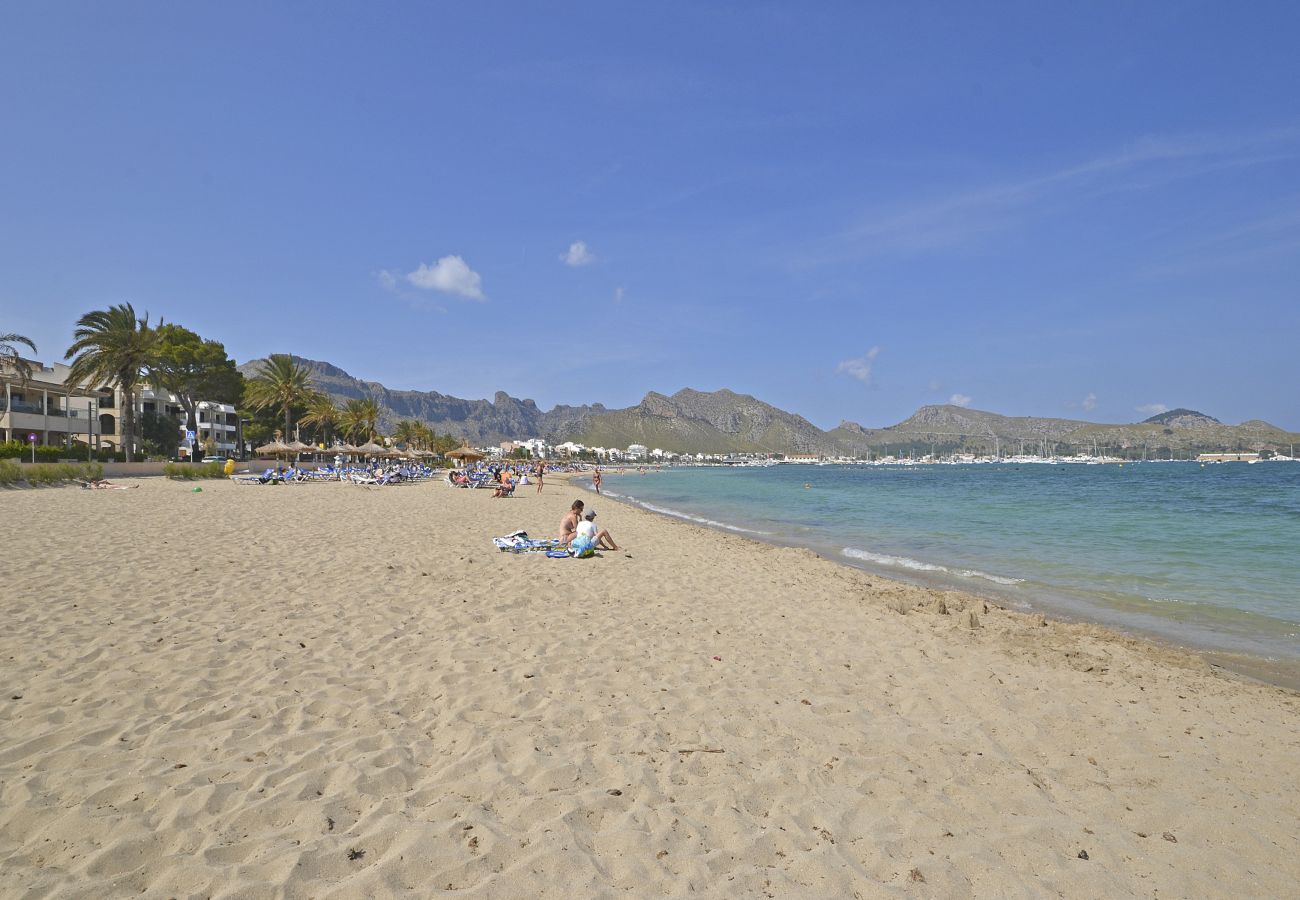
(334, 691)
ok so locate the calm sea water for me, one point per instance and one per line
(1208, 556)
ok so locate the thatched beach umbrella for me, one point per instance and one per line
(372, 449)
(466, 453)
(275, 448)
(298, 448)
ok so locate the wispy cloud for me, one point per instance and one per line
(1152, 409)
(619, 294)
(861, 367)
(1247, 243)
(1089, 403)
(578, 254)
(449, 275)
(959, 400)
(968, 215)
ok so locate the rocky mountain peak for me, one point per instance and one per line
(1181, 418)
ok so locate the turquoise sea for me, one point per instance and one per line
(1207, 556)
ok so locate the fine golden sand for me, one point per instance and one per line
(333, 691)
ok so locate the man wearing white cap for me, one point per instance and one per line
(602, 539)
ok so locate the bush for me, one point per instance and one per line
(188, 471)
(22, 451)
(11, 473)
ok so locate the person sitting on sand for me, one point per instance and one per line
(569, 524)
(601, 538)
(507, 485)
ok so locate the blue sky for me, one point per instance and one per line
(845, 209)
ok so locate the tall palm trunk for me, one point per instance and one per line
(129, 422)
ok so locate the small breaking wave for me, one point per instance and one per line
(905, 562)
(664, 510)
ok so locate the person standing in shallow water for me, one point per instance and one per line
(595, 479)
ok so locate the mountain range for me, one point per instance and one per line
(727, 422)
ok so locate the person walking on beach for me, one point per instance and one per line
(595, 479)
(541, 470)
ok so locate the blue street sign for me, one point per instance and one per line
(32, 437)
(189, 435)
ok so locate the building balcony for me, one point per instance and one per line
(21, 420)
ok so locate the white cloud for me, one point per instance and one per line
(619, 294)
(959, 400)
(859, 368)
(578, 254)
(1090, 402)
(387, 280)
(935, 386)
(1152, 409)
(450, 275)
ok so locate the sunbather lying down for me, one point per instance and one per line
(103, 484)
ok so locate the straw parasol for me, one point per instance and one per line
(465, 452)
(372, 449)
(298, 448)
(275, 448)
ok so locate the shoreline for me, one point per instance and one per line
(1254, 667)
(333, 690)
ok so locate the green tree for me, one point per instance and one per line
(361, 420)
(10, 358)
(114, 347)
(407, 432)
(322, 415)
(426, 436)
(159, 433)
(281, 384)
(194, 369)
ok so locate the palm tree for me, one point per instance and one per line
(10, 357)
(322, 414)
(114, 346)
(361, 417)
(424, 436)
(407, 432)
(281, 384)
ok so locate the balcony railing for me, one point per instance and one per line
(35, 409)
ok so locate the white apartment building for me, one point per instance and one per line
(46, 407)
(61, 414)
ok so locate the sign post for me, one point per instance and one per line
(189, 436)
(31, 439)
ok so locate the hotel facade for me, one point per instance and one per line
(63, 414)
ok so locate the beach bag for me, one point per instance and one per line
(582, 547)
